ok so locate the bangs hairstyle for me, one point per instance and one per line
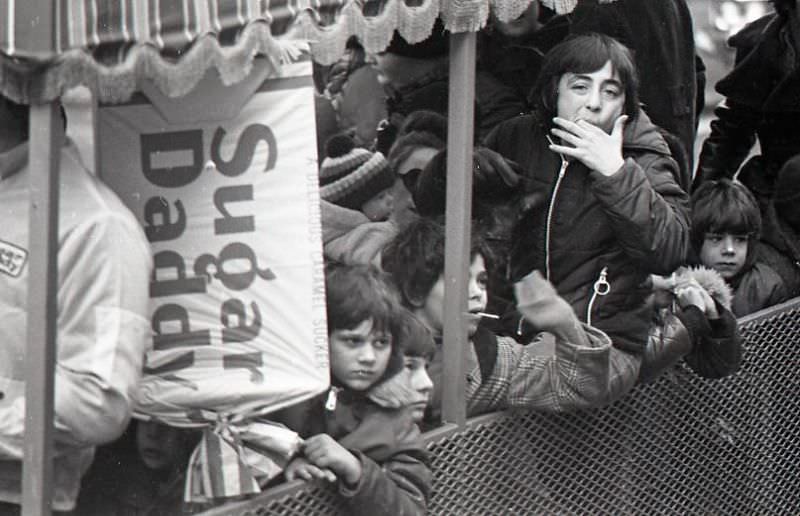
(580, 54)
(723, 206)
(415, 337)
(415, 259)
(356, 293)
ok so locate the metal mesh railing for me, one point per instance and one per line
(682, 445)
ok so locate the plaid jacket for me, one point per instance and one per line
(550, 374)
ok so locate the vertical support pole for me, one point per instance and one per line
(457, 219)
(37, 471)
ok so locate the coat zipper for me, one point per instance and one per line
(561, 172)
(601, 287)
(333, 396)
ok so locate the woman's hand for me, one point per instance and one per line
(591, 145)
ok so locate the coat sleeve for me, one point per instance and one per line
(104, 271)
(716, 343)
(648, 211)
(399, 486)
(555, 375)
(732, 136)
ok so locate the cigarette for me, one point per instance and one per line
(488, 316)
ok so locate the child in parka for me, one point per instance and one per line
(360, 434)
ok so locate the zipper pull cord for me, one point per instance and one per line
(549, 221)
(330, 403)
(600, 288)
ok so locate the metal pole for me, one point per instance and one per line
(37, 470)
(457, 219)
(36, 35)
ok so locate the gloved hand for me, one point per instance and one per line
(541, 305)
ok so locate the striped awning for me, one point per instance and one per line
(110, 46)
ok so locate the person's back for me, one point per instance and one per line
(760, 102)
(103, 274)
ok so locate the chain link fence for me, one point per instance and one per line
(682, 445)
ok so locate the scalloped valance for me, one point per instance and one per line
(111, 47)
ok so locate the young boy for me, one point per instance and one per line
(361, 434)
(726, 224)
(569, 365)
(419, 349)
(356, 178)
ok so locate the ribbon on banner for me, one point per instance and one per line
(233, 459)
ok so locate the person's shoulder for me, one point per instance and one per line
(86, 198)
(508, 132)
(642, 134)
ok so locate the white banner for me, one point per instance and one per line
(224, 183)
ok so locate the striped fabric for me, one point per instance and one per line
(111, 26)
(110, 45)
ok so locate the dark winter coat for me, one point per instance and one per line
(376, 429)
(494, 101)
(712, 348)
(762, 100)
(779, 248)
(584, 229)
(757, 287)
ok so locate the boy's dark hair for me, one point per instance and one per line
(415, 259)
(356, 293)
(585, 53)
(724, 206)
(416, 338)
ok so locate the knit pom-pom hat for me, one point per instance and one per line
(350, 175)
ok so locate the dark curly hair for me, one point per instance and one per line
(415, 258)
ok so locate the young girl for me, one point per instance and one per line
(360, 433)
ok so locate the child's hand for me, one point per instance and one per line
(541, 305)
(324, 452)
(302, 469)
(691, 293)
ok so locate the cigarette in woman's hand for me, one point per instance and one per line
(487, 315)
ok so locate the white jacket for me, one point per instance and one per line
(104, 265)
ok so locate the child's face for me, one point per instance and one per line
(724, 252)
(433, 309)
(421, 383)
(158, 445)
(359, 356)
(379, 207)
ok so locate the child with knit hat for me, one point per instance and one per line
(356, 178)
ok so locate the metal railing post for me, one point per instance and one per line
(457, 219)
(37, 472)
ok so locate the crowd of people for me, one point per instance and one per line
(600, 256)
